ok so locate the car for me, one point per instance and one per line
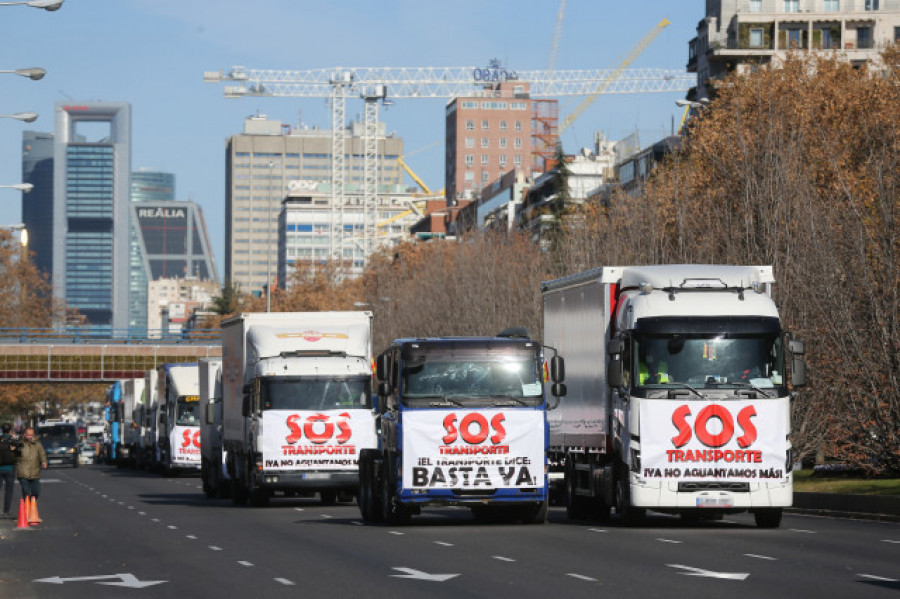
(87, 453)
(60, 441)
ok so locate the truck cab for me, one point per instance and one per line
(462, 422)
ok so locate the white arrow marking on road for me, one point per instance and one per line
(881, 578)
(419, 575)
(582, 577)
(757, 556)
(709, 573)
(889, 541)
(125, 580)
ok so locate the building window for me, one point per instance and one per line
(502, 159)
(484, 159)
(518, 143)
(864, 37)
(897, 34)
(484, 176)
(470, 125)
(485, 125)
(791, 5)
(503, 125)
(470, 176)
(832, 5)
(470, 159)
(470, 142)
(485, 142)
(755, 5)
(502, 142)
(756, 37)
(872, 4)
(793, 38)
(517, 159)
(518, 125)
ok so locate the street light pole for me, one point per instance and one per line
(33, 73)
(28, 117)
(23, 187)
(49, 5)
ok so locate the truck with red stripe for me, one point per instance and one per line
(296, 403)
(462, 422)
(678, 398)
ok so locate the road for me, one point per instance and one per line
(121, 533)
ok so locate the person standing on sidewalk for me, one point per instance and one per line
(9, 454)
(32, 459)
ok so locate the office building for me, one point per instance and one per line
(37, 205)
(91, 188)
(740, 35)
(261, 164)
(493, 132)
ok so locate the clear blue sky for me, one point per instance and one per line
(152, 53)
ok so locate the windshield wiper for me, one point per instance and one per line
(750, 386)
(685, 385)
(507, 400)
(445, 401)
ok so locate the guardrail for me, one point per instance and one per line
(82, 335)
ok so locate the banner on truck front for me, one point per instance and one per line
(185, 445)
(315, 440)
(465, 449)
(729, 441)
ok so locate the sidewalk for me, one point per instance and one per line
(885, 508)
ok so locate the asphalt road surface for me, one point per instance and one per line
(120, 533)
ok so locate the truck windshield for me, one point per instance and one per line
(315, 393)
(59, 433)
(708, 361)
(187, 414)
(482, 380)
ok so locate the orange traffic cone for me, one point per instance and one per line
(23, 516)
(33, 518)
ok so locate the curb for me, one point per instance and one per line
(882, 508)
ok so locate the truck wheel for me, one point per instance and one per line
(629, 514)
(259, 497)
(367, 499)
(328, 497)
(576, 505)
(238, 492)
(768, 518)
(391, 511)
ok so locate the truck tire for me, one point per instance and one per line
(536, 514)
(328, 497)
(576, 505)
(768, 518)
(629, 514)
(391, 512)
(259, 497)
(369, 507)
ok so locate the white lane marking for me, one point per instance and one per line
(597, 530)
(131, 507)
(285, 582)
(191, 537)
(299, 509)
(756, 556)
(142, 513)
(214, 548)
(172, 527)
(420, 575)
(444, 544)
(156, 520)
(803, 530)
(243, 563)
(503, 559)
(691, 571)
(356, 522)
(396, 532)
(326, 516)
(582, 577)
(890, 541)
(673, 541)
(881, 578)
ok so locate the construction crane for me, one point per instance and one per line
(557, 36)
(373, 84)
(618, 71)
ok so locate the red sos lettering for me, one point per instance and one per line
(474, 428)
(187, 439)
(319, 428)
(701, 426)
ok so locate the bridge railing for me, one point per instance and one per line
(79, 335)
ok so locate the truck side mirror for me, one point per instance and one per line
(557, 370)
(210, 413)
(382, 367)
(558, 390)
(245, 405)
(798, 364)
(615, 375)
(384, 389)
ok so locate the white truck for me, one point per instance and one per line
(216, 483)
(177, 418)
(677, 394)
(130, 432)
(297, 402)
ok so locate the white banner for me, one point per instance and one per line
(466, 449)
(731, 441)
(185, 441)
(315, 440)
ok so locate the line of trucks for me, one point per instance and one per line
(662, 388)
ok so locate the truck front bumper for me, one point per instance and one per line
(469, 499)
(308, 480)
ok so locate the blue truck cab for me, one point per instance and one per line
(461, 421)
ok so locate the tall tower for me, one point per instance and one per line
(91, 189)
(37, 206)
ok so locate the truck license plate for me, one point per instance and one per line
(714, 502)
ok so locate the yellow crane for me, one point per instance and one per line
(635, 52)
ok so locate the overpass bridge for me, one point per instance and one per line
(70, 355)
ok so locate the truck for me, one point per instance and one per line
(678, 399)
(123, 397)
(177, 418)
(462, 423)
(60, 441)
(213, 473)
(296, 403)
(150, 425)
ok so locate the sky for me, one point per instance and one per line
(153, 53)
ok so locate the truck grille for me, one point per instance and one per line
(714, 486)
(474, 492)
